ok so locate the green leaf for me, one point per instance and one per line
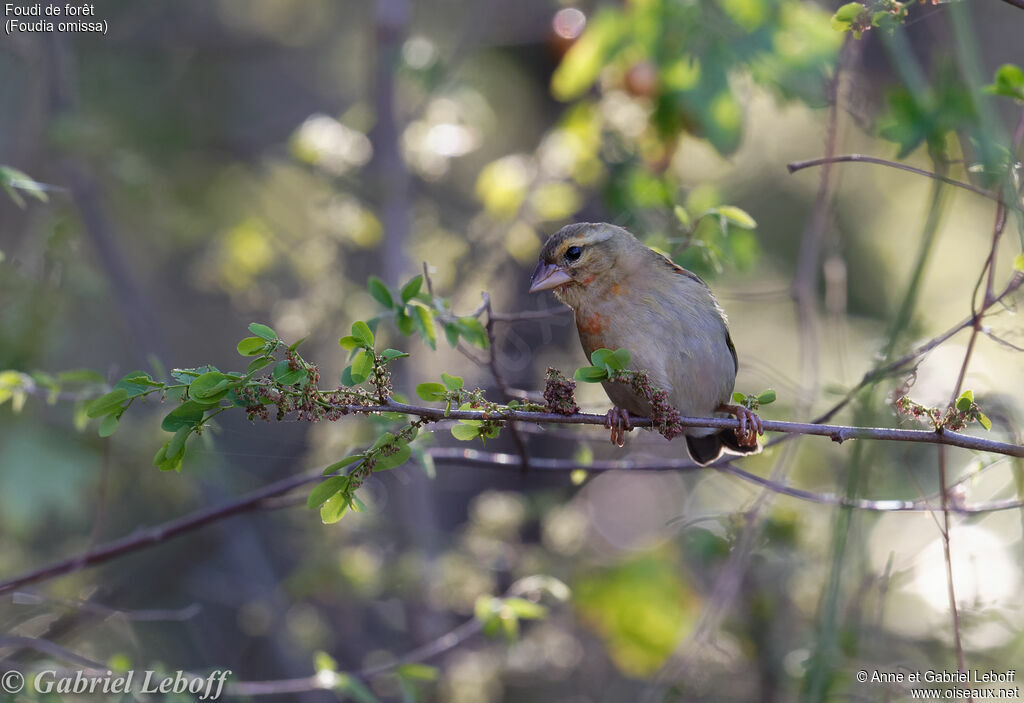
(423, 320)
(404, 322)
(766, 397)
(106, 403)
(473, 331)
(683, 216)
(109, 424)
(1018, 263)
(251, 346)
(526, 609)
(452, 383)
(590, 374)
(346, 377)
(362, 333)
(166, 460)
(285, 375)
(262, 331)
(362, 366)
(431, 391)
(738, 397)
(392, 354)
(391, 461)
(344, 462)
(846, 15)
(187, 414)
(600, 356)
(418, 672)
(464, 432)
(12, 180)
(210, 387)
(334, 508)
(736, 216)
(983, 419)
(177, 443)
(322, 661)
(380, 292)
(325, 490)
(965, 401)
(348, 343)
(410, 289)
(1009, 82)
(356, 689)
(451, 333)
(257, 364)
(619, 360)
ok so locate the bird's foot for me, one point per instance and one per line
(617, 420)
(750, 424)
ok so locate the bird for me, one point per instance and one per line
(626, 295)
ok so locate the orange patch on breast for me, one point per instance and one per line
(616, 289)
(593, 324)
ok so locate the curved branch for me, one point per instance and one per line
(861, 158)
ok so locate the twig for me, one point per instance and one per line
(50, 649)
(861, 158)
(492, 362)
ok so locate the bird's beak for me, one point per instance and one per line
(548, 276)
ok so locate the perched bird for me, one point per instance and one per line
(627, 295)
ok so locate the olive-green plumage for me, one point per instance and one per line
(626, 295)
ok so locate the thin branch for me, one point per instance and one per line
(861, 158)
(50, 649)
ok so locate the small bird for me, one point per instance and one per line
(627, 295)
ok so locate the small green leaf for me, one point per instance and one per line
(983, 419)
(251, 346)
(165, 460)
(423, 320)
(451, 333)
(348, 343)
(106, 404)
(334, 508)
(965, 401)
(262, 331)
(344, 462)
(738, 397)
(346, 377)
(285, 375)
(683, 216)
(473, 331)
(380, 292)
(846, 15)
(452, 383)
(590, 374)
(391, 461)
(431, 391)
(410, 289)
(325, 490)
(392, 354)
(177, 443)
(600, 357)
(1009, 82)
(362, 333)
(619, 360)
(109, 424)
(404, 322)
(362, 366)
(210, 387)
(322, 661)
(465, 433)
(1018, 263)
(418, 672)
(736, 216)
(526, 609)
(257, 364)
(766, 397)
(185, 415)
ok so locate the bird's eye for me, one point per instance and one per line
(573, 253)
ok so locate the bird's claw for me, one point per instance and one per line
(750, 424)
(617, 420)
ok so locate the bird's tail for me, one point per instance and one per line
(706, 449)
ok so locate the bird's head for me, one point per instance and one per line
(581, 259)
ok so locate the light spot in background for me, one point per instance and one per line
(325, 142)
(522, 242)
(498, 513)
(569, 23)
(609, 498)
(984, 572)
(419, 52)
(564, 529)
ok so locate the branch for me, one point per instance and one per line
(861, 158)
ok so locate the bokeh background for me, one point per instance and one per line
(211, 163)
